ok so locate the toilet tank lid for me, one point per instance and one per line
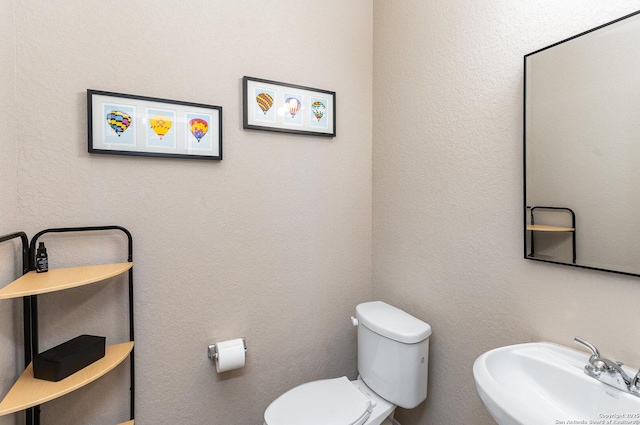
(392, 323)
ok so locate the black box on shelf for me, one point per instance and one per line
(69, 357)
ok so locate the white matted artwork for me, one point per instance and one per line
(274, 106)
(137, 125)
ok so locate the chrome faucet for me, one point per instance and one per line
(609, 372)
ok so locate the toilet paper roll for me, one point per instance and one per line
(230, 355)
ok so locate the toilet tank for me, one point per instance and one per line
(393, 353)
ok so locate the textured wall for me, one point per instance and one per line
(448, 193)
(8, 123)
(9, 252)
(273, 243)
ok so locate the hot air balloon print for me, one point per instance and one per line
(118, 121)
(264, 101)
(161, 124)
(318, 109)
(292, 105)
(198, 128)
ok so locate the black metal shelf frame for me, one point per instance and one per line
(30, 304)
(573, 226)
(27, 308)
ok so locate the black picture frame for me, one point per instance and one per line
(125, 124)
(288, 108)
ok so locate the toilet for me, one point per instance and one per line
(393, 353)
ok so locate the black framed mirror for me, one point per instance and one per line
(582, 149)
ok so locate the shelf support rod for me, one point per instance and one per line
(34, 325)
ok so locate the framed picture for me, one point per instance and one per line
(125, 124)
(273, 106)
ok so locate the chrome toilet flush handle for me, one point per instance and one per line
(608, 371)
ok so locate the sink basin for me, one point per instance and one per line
(543, 383)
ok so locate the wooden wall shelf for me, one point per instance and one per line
(34, 283)
(545, 228)
(29, 391)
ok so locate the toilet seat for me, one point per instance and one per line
(329, 401)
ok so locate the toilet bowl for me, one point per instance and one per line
(393, 349)
(329, 401)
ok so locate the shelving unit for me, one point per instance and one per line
(533, 228)
(34, 283)
(28, 393)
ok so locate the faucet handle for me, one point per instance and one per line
(587, 344)
(635, 384)
(595, 354)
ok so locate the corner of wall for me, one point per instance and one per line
(8, 118)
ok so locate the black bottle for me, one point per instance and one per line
(42, 259)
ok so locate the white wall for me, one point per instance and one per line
(8, 121)
(273, 243)
(10, 266)
(447, 193)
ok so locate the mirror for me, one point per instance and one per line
(582, 149)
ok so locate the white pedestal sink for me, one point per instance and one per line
(545, 384)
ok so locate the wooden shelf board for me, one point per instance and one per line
(127, 423)
(34, 283)
(545, 228)
(28, 391)
(544, 257)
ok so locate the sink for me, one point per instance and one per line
(543, 383)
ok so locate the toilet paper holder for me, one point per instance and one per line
(212, 350)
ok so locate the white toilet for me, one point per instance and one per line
(393, 352)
